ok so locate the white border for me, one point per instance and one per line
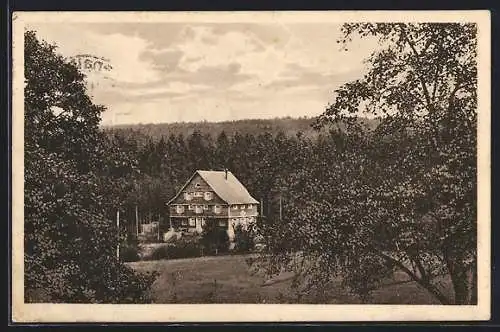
(22, 312)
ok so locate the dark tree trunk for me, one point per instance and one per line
(459, 276)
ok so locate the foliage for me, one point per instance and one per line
(185, 247)
(214, 239)
(129, 253)
(70, 246)
(244, 239)
(144, 132)
(400, 196)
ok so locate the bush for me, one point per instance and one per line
(243, 238)
(214, 239)
(182, 248)
(129, 253)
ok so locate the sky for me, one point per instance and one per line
(184, 72)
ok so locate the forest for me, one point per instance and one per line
(361, 199)
(262, 159)
(288, 125)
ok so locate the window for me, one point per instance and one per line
(235, 207)
(179, 209)
(249, 206)
(203, 222)
(205, 207)
(198, 194)
(192, 222)
(222, 223)
(184, 222)
(217, 209)
(198, 209)
(242, 207)
(188, 196)
(197, 185)
(208, 196)
(191, 207)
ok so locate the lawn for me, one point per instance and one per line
(229, 279)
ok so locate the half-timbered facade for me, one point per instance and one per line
(212, 197)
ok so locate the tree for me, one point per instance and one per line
(214, 238)
(400, 196)
(70, 242)
(243, 238)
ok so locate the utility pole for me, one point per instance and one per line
(118, 234)
(280, 208)
(261, 207)
(158, 228)
(136, 221)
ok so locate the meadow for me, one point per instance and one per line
(229, 279)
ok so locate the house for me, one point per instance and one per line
(212, 197)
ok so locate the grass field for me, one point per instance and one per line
(228, 279)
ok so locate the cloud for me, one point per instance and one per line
(110, 97)
(123, 51)
(300, 77)
(165, 72)
(165, 61)
(202, 47)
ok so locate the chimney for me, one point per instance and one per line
(225, 173)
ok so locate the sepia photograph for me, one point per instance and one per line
(239, 166)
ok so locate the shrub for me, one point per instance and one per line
(243, 238)
(183, 248)
(159, 253)
(129, 253)
(214, 239)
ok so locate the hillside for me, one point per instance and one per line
(290, 126)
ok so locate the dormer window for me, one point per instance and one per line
(208, 196)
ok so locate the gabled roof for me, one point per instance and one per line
(229, 190)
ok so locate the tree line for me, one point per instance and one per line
(156, 170)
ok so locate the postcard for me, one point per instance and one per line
(251, 166)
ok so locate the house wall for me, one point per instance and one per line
(183, 223)
(197, 184)
(193, 213)
(243, 210)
